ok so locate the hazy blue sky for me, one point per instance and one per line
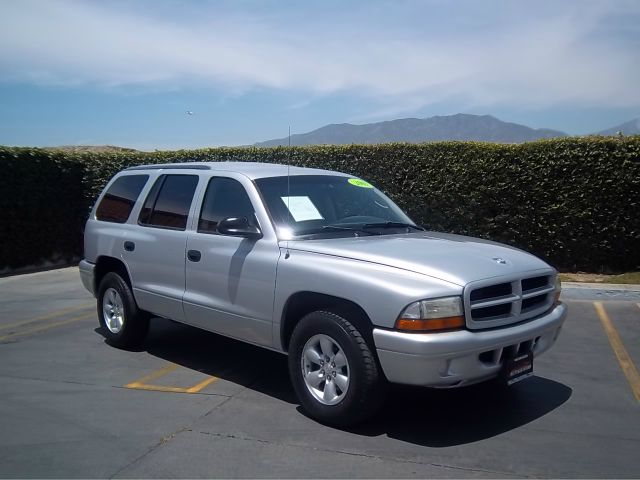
(125, 72)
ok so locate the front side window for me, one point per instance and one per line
(168, 202)
(118, 201)
(314, 204)
(224, 198)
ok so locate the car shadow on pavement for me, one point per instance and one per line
(262, 370)
(444, 418)
(422, 416)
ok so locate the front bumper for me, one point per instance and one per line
(455, 359)
(87, 275)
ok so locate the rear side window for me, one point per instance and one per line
(225, 197)
(168, 202)
(118, 201)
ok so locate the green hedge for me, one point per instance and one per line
(572, 201)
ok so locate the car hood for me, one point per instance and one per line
(453, 258)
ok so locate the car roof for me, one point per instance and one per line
(252, 170)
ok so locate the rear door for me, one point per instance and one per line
(230, 281)
(154, 249)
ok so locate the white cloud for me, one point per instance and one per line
(518, 57)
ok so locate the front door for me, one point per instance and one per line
(230, 281)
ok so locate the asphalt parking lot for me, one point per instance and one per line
(194, 404)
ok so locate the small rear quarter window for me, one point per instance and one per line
(118, 201)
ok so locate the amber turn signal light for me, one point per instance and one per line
(431, 324)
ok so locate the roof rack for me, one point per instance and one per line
(169, 165)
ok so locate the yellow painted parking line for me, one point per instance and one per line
(45, 327)
(202, 385)
(624, 359)
(142, 383)
(154, 388)
(46, 317)
(152, 376)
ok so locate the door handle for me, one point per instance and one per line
(129, 246)
(194, 255)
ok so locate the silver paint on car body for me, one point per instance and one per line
(232, 287)
(452, 258)
(454, 359)
(87, 276)
(231, 290)
(382, 291)
(240, 288)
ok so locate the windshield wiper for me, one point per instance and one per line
(392, 225)
(359, 228)
(336, 228)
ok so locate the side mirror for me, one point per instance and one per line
(238, 227)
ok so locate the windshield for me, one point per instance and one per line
(313, 204)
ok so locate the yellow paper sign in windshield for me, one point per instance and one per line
(360, 183)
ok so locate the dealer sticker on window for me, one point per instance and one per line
(302, 208)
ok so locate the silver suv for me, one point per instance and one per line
(321, 266)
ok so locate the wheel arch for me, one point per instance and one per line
(106, 264)
(302, 303)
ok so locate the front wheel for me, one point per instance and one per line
(123, 323)
(333, 370)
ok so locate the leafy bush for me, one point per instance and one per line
(571, 201)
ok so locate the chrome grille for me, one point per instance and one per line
(491, 303)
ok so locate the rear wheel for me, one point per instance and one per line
(333, 370)
(123, 323)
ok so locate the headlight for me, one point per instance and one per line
(558, 290)
(432, 315)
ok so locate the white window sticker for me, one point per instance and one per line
(302, 208)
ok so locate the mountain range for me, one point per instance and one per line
(450, 127)
(631, 127)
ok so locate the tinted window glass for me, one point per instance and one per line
(117, 203)
(169, 208)
(150, 201)
(225, 197)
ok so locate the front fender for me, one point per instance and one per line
(380, 290)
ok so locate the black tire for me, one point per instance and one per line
(366, 388)
(136, 322)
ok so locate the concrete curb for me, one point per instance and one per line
(602, 286)
(15, 276)
(8, 273)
